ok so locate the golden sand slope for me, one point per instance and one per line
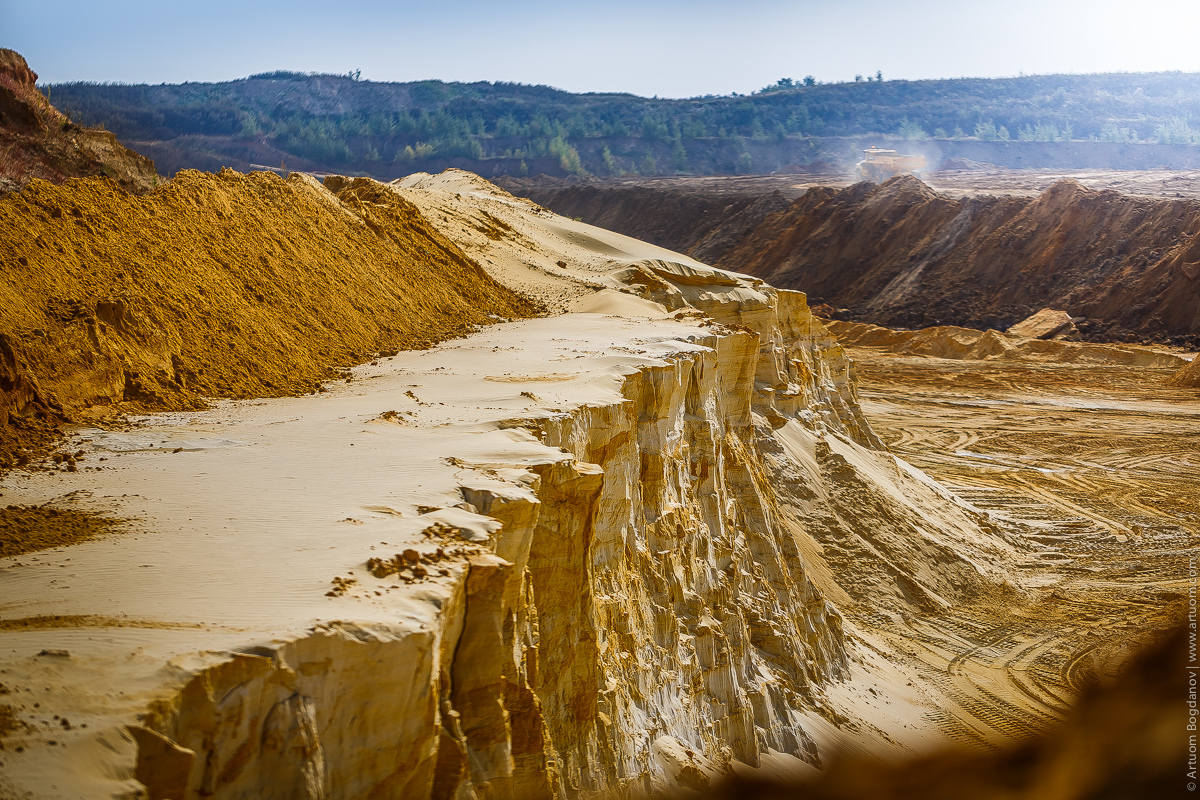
(949, 341)
(216, 285)
(1188, 375)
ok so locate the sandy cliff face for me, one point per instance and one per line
(645, 615)
(620, 576)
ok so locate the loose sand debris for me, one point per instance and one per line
(1188, 375)
(24, 529)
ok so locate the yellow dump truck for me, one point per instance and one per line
(878, 164)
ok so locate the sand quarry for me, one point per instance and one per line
(584, 517)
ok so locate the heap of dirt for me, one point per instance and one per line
(24, 529)
(948, 341)
(39, 141)
(900, 254)
(705, 225)
(215, 285)
(903, 255)
(1188, 375)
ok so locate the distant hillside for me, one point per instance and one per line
(342, 124)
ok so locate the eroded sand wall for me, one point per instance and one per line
(646, 614)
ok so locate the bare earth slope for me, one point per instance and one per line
(904, 255)
(39, 141)
(213, 286)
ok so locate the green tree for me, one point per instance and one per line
(611, 167)
(680, 156)
(653, 128)
(568, 156)
(1175, 131)
(912, 130)
(988, 132)
(649, 165)
(1111, 132)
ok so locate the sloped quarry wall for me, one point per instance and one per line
(644, 617)
(903, 255)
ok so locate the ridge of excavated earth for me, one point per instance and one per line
(212, 285)
(902, 254)
(616, 550)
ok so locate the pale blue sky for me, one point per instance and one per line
(665, 47)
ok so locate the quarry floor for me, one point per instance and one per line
(1100, 463)
(1158, 183)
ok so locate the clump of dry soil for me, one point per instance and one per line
(24, 529)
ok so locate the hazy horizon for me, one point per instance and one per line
(666, 48)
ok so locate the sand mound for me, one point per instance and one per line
(948, 341)
(1045, 324)
(1188, 375)
(25, 529)
(216, 285)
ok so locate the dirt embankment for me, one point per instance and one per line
(902, 255)
(222, 285)
(1188, 375)
(967, 344)
(705, 224)
(39, 141)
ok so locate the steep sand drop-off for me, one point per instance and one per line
(222, 285)
(602, 551)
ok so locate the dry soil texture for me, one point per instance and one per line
(222, 285)
(39, 141)
(903, 254)
(1101, 465)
